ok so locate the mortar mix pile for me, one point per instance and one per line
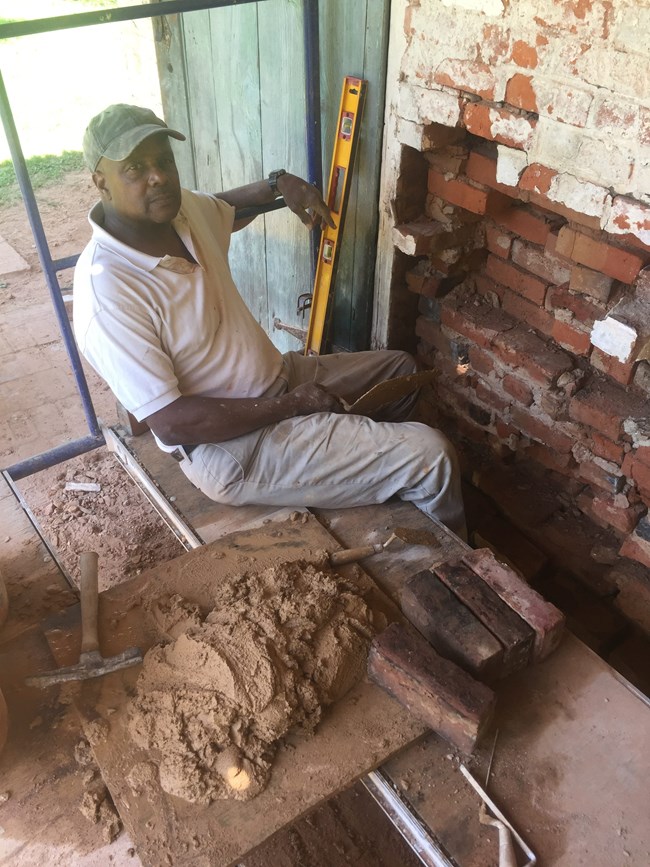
(213, 701)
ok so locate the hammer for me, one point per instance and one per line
(91, 662)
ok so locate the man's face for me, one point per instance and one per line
(143, 188)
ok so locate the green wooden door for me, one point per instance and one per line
(234, 79)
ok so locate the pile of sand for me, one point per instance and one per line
(213, 701)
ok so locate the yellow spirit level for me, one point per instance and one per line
(345, 145)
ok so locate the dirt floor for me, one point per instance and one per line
(57, 793)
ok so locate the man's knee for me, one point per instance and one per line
(438, 450)
(404, 363)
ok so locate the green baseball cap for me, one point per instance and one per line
(117, 131)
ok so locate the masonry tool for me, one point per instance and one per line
(507, 856)
(414, 537)
(91, 662)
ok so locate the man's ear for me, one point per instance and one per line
(99, 180)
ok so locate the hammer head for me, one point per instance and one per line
(91, 664)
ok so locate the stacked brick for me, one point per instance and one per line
(511, 288)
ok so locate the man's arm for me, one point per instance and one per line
(302, 198)
(194, 420)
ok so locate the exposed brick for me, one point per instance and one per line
(539, 262)
(639, 473)
(472, 77)
(483, 170)
(629, 216)
(482, 362)
(498, 242)
(521, 392)
(604, 406)
(612, 261)
(605, 448)
(544, 618)
(551, 458)
(436, 690)
(570, 338)
(611, 482)
(560, 298)
(537, 178)
(458, 193)
(530, 314)
(643, 454)
(524, 54)
(490, 398)
(498, 124)
(518, 219)
(637, 544)
(480, 323)
(505, 430)
(538, 429)
(520, 92)
(523, 350)
(611, 366)
(430, 333)
(589, 282)
(516, 279)
(447, 163)
(605, 513)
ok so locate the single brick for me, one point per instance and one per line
(457, 192)
(542, 263)
(579, 217)
(610, 481)
(599, 256)
(639, 472)
(518, 219)
(436, 690)
(623, 373)
(543, 362)
(480, 323)
(537, 178)
(490, 398)
(606, 449)
(480, 361)
(498, 242)
(469, 76)
(604, 512)
(585, 311)
(499, 124)
(520, 92)
(604, 406)
(529, 314)
(483, 170)
(490, 289)
(637, 544)
(513, 633)
(543, 617)
(450, 627)
(516, 279)
(539, 430)
(521, 392)
(573, 339)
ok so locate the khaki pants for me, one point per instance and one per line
(336, 461)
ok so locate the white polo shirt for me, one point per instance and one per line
(158, 328)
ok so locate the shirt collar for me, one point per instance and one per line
(136, 257)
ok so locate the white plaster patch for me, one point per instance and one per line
(639, 430)
(492, 8)
(626, 216)
(614, 338)
(516, 129)
(510, 165)
(423, 105)
(409, 133)
(581, 196)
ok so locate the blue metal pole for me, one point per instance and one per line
(54, 456)
(45, 259)
(312, 84)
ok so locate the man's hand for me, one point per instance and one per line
(305, 201)
(310, 398)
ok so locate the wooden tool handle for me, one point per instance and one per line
(349, 555)
(89, 602)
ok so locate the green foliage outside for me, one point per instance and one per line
(43, 170)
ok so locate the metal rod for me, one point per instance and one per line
(429, 850)
(54, 456)
(67, 262)
(313, 120)
(45, 258)
(108, 16)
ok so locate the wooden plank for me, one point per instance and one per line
(355, 735)
(237, 89)
(282, 104)
(516, 636)
(543, 617)
(436, 690)
(450, 627)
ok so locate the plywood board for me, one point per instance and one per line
(362, 730)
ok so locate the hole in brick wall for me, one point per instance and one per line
(411, 185)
